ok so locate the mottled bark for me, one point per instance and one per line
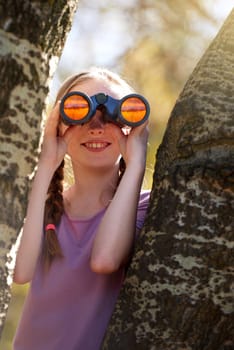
(179, 291)
(32, 35)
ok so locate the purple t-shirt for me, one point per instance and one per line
(70, 306)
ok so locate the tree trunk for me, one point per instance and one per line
(179, 291)
(32, 36)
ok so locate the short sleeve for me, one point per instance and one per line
(142, 208)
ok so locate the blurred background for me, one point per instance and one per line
(155, 45)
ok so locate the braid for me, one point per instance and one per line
(53, 212)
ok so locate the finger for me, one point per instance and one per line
(68, 133)
(140, 128)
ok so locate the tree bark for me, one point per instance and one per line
(179, 290)
(32, 35)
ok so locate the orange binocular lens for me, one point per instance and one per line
(133, 110)
(78, 108)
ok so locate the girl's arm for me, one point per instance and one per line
(53, 151)
(31, 240)
(114, 240)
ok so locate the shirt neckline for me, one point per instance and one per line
(83, 219)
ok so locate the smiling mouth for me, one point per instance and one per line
(96, 145)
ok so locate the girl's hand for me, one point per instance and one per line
(54, 146)
(133, 146)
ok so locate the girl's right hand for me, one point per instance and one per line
(54, 146)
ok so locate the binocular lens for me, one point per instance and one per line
(133, 109)
(76, 107)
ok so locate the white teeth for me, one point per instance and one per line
(95, 144)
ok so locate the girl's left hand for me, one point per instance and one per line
(133, 146)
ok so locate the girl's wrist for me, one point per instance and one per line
(137, 167)
(44, 168)
(136, 163)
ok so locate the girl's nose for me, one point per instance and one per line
(97, 124)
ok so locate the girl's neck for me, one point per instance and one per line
(91, 192)
(95, 180)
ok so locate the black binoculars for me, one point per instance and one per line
(78, 108)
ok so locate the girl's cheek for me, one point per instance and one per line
(116, 131)
(120, 131)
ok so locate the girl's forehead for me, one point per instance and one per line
(93, 86)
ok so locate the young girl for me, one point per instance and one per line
(76, 242)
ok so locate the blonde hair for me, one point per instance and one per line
(94, 73)
(54, 206)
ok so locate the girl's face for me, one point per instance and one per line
(96, 143)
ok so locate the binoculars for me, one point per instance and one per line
(77, 108)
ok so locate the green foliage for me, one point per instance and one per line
(13, 315)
